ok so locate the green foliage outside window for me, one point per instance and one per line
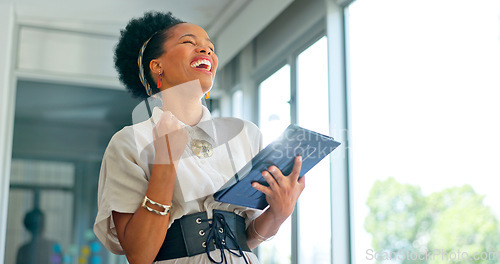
(455, 220)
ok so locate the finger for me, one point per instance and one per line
(172, 119)
(172, 122)
(156, 134)
(270, 180)
(164, 117)
(277, 174)
(264, 189)
(167, 125)
(168, 115)
(302, 182)
(296, 168)
(160, 129)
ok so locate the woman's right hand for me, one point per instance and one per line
(170, 138)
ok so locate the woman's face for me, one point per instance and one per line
(189, 55)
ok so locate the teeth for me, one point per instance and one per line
(203, 61)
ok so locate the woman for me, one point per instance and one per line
(155, 200)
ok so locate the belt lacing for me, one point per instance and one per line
(219, 231)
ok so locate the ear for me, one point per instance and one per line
(155, 66)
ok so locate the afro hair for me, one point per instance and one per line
(154, 25)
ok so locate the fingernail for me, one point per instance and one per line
(254, 184)
(272, 169)
(264, 173)
(299, 158)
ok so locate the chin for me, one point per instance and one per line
(206, 86)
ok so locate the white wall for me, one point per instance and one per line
(57, 53)
(6, 111)
(65, 52)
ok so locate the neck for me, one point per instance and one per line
(184, 101)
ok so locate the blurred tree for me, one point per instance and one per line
(402, 219)
(397, 218)
(461, 221)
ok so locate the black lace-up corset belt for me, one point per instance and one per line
(196, 234)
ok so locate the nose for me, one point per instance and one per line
(204, 50)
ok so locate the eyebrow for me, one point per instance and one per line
(191, 35)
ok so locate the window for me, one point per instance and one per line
(274, 116)
(41, 196)
(274, 107)
(237, 104)
(276, 104)
(424, 93)
(314, 218)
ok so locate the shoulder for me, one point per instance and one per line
(133, 136)
(128, 144)
(122, 135)
(122, 138)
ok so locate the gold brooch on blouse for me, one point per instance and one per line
(201, 148)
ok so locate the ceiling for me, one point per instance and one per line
(116, 13)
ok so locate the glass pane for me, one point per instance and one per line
(424, 92)
(274, 109)
(39, 225)
(314, 203)
(46, 222)
(42, 172)
(237, 104)
(274, 106)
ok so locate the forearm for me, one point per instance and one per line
(144, 232)
(266, 225)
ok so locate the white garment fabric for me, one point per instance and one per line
(127, 164)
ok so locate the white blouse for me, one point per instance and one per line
(127, 163)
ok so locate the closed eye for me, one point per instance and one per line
(189, 41)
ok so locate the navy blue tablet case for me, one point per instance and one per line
(295, 140)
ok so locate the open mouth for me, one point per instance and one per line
(202, 64)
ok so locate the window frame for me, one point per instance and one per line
(341, 194)
(328, 27)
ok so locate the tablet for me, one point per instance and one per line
(294, 141)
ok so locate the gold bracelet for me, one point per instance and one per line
(166, 208)
(260, 237)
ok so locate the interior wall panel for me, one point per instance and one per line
(65, 52)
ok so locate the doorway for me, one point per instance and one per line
(60, 134)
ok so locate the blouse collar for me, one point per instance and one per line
(205, 123)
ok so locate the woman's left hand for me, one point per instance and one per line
(283, 191)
